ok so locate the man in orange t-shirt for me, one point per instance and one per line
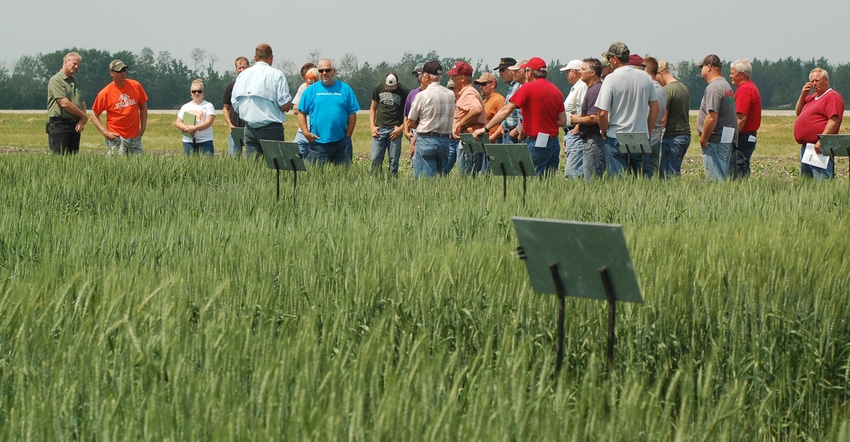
(493, 102)
(125, 103)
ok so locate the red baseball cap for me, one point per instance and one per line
(536, 63)
(461, 68)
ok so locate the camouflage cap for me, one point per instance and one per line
(618, 50)
(117, 66)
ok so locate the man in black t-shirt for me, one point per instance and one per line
(230, 115)
(386, 122)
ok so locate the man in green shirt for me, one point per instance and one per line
(677, 134)
(66, 108)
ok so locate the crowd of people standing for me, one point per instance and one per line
(620, 95)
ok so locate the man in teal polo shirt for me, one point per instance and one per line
(66, 108)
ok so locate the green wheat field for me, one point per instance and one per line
(171, 298)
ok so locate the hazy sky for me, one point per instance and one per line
(383, 30)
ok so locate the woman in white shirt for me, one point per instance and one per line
(195, 120)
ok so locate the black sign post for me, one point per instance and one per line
(585, 260)
(283, 155)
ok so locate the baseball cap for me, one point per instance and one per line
(662, 66)
(505, 62)
(711, 60)
(604, 63)
(535, 63)
(433, 67)
(461, 68)
(117, 66)
(450, 84)
(485, 77)
(618, 50)
(573, 65)
(391, 82)
(518, 65)
(636, 60)
(418, 69)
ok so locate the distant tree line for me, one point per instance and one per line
(167, 79)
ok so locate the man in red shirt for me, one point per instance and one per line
(818, 113)
(748, 108)
(543, 115)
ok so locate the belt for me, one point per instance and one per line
(64, 120)
(273, 124)
(433, 134)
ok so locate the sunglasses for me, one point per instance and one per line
(197, 91)
(322, 71)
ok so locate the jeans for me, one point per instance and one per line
(123, 146)
(253, 135)
(381, 145)
(617, 163)
(62, 136)
(593, 162)
(430, 156)
(574, 148)
(653, 161)
(743, 152)
(809, 171)
(453, 154)
(471, 162)
(205, 147)
(716, 160)
(302, 142)
(234, 146)
(673, 152)
(546, 159)
(338, 152)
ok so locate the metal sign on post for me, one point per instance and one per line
(585, 260)
(238, 134)
(510, 160)
(836, 145)
(634, 143)
(284, 155)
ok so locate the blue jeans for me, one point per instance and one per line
(809, 171)
(253, 135)
(205, 148)
(653, 161)
(673, 152)
(338, 152)
(715, 159)
(234, 147)
(430, 156)
(302, 142)
(618, 163)
(546, 159)
(574, 148)
(453, 152)
(381, 145)
(470, 162)
(743, 152)
(594, 158)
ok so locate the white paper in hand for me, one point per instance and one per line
(813, 158)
